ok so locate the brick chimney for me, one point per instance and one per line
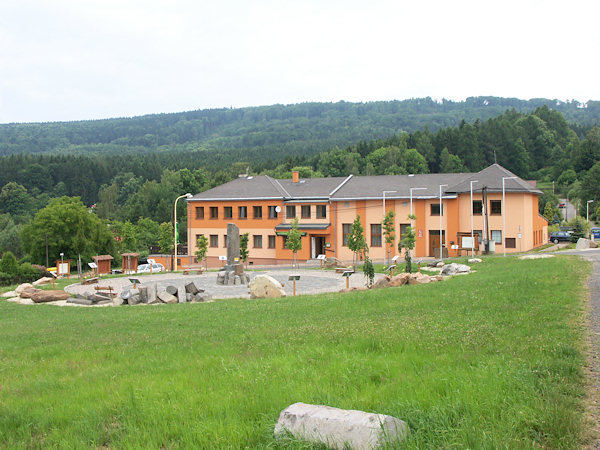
(295, 176)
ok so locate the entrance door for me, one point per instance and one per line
(317, 246)
(434, 240)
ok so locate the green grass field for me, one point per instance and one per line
(492, 359)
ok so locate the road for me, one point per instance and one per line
(568, 211)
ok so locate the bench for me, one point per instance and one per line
(90, 281)
(106, 288)
(191, 269)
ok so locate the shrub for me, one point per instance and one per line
(8, 264)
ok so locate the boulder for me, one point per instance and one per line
(117, 301)
(152, 294)
(583, 244)
(434, 263)
(189, 297)
(22, 287)
(536, 256)
(22, 301)
(28, 292)
(383, 282)
(191, 288)
(126, 294)
(265, 286)
(331, 263)
(181, 298)
(474, 260)
(419, 278)
(143, 294)
(400, 279)
(49, 296)
(10, 294)
(43, 280)
(339, 428)
(165, 297)
(453, 269)
(134, 299)
(203, 297)
(171, 289)
(80, 301)
(440, 264)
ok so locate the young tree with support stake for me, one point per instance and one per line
(202, 249)
(294, 239)
(408, 243)
(244, 247)
(356, 240)
(389, 231)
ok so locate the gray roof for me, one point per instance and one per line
(365, 187)
(491, 178)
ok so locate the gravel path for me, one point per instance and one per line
(311, 282)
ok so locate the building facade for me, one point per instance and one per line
(326, 207)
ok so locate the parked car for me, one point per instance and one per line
(595, 233)
(145, 268)
(560, 236)
(561, 205)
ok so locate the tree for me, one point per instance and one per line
(294, 239)
(8, 264)
(67, 223)
(356, 240)
(578, 229)
(450, 163)
(408, 243)
(388, 231)
(10, 235)
(165, 238)
(202, 247)
(243, 247)
(369, 271)
(549, 212)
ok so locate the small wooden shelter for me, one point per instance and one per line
(129, 262)
(103, 262)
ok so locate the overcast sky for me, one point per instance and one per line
(89, 59)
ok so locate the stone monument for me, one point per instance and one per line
(233, 272)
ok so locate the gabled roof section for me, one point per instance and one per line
(311, 188)
(491, 178)
(372, 187)
(243, 188)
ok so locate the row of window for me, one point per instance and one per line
(306, 212)
(257, 240)
(495, 208)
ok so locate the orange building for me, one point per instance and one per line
(326, 207)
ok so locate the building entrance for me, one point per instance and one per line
(434, 241)
(317, 246)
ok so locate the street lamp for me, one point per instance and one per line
(411, 208)
(441, 249)
(472, 236)
(188, 195)
(504, 212)
(587, 214)
(385, 192)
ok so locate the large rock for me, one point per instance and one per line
(22, 287)
(400, 279)
(171, 289)
(474, 260)
(181, 294)
(265, 286)
(152, 294)
(10, 294)
(583, 244)
(28, 292)
(453, 269)
(49, 296)
(339, 428)
(331, 263)
(165, 297)
(191, 288)
(383, 282)
(43, 280)
(419, 278)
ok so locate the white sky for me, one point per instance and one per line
(89, 59)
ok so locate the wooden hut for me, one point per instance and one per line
(129, 262)
(103, 262)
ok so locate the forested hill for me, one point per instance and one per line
(270, 131)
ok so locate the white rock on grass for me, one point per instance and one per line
(536, 256)
(43, 280)
(453, 269)
(10, 294)
(583, 244)
(474, 260)
(20, 288)
(265, 286)
(339, 428)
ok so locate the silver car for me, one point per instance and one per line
(150, 268)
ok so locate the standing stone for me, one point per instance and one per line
(339, 428)
(230, 278)
(181, 294)
(191, 288)
(233, 244)
(221, 278)
(189, 297)
(143, 294)
(134, 299)
(165, 297)
(171, 289)
(237, 279)
(152, 293)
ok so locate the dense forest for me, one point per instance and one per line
(133, 191)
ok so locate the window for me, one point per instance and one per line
(435, 209)
(510, 243)
(224, 241)
(272, 212)
(477, 207)
(306, 212)
(495, 207)
(404, 230)
(227, 212)
(271, 241)
(198, 237)
(284, 240)
(214, 240)
(243, 212)
(214, 212)
(257, 240)
(321, 211)
(346, 227)
(375, 235)
(257, 212)
(497, 236)
(478, 235)
(199, 212)
(290, 211)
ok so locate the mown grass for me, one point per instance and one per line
(488, 360)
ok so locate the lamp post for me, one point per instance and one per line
(472, 236)
(441, 212)
(188, 195)
(385, 192)
(504, 212)
(587, 214)
(411, 208)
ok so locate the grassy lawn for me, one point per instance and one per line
(492, 359)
